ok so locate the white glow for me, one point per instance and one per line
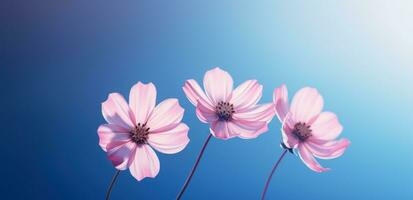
(390, 24)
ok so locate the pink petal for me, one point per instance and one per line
(194, 92)
(167, 113)
(115, 110)
(306, 104)
(280, 99)
(246, 95)
(145, 163)
(121, 154)
(328, 150)
(170, 141)
(218, 85)
(142, 100)
(247, 130)
(112, 135)
(219, 129)
(326, 126)
(263, 112)
(309, 159)
(205, 112)
(288, 138)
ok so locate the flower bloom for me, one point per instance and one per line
(229, 112)
(133, 130)
(306, 128)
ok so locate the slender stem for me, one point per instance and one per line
(272, 173)
(193, 168)
(112, 183)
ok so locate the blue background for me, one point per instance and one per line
(60, 59)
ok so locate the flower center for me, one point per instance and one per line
(302, 131)
(139, 134)
(224, 111)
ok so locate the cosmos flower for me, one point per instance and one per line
(133, 130)
(305, 128)
(230, 113)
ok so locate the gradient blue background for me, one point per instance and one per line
(60, 59)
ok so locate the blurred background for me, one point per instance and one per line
(60, 59)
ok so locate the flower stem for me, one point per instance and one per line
(272, 173)
(194, 168)
(112, 183)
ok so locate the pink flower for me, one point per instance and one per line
(133, 130)
(229, 112)
(308, 129)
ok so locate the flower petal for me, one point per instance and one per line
(218, 85)
(288, 138)
(111, 135)
(247, 129)
(167, 113)
(263, 112)
(280, 99)
(306, 104)
(142, 100)
(326, 126)
(328, 150)
(145, 163)
(170, 141)
(309, 159)
(194, 92)
(246, 95)
(219, 129)
(120, 155)
(115, 110)
(205, 112)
